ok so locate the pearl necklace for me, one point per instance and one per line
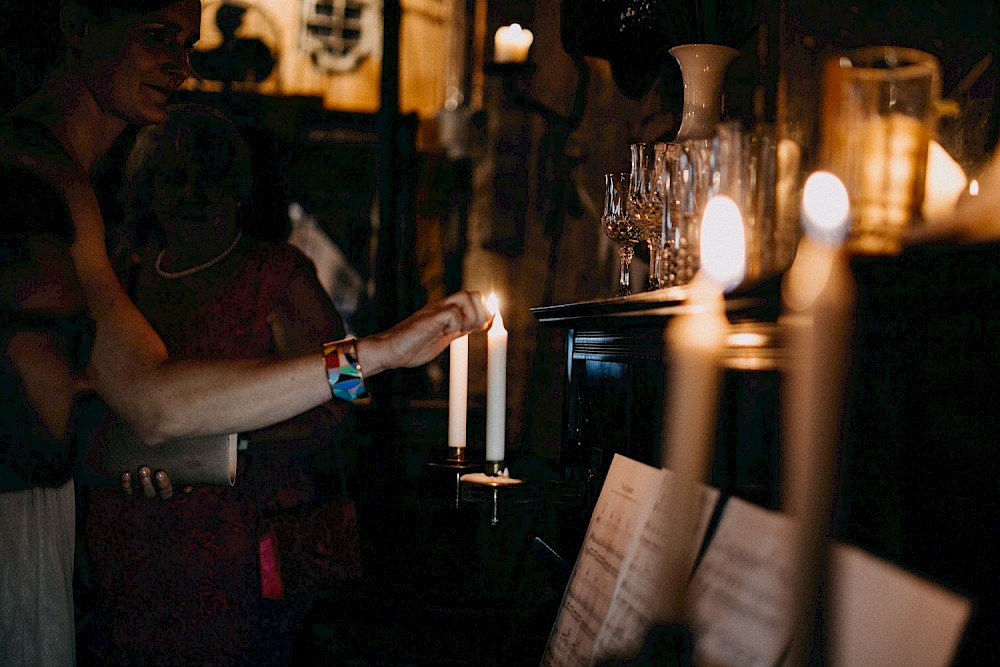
(157, 265)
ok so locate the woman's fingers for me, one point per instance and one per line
(164, 484)
(146, 480)
(423, 335)
(466, 312)
(475, 315)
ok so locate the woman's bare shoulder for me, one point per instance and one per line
(29, 143)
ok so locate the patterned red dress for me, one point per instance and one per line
(178, 582)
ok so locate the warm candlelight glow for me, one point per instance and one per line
(745, 339)
(825, 208)
(825, 219)
(946, 181)
(493, 304)
(974, 188)
(511, 44)
(723, 244)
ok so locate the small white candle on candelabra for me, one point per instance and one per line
(511, 44)
(496, 385)
(694, 342)
(458, 395)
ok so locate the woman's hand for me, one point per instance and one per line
(162, 485)
(422, 336)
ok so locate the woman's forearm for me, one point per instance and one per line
(164, 400)
(191, 398)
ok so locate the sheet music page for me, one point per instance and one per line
(739, 597)
(627, 498)
(883, 615)
(630, 615)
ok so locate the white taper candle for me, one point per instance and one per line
(458, 391)
(496, 383)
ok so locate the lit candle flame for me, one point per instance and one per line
(511, 43)
(825, 217)
(492, 304)
(723, 245)
(826, 208)
(974, 188)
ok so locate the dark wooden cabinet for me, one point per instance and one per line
(616, 374)
(919, 475)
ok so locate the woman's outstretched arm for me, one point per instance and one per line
(165, 400)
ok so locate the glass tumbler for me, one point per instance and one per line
(879, 114)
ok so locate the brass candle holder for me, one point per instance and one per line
(455, 463)
(492, 483)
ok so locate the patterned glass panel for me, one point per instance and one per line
(339, 34)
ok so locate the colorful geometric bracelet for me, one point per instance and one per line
(343, 370)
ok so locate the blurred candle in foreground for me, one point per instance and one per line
(458, 394)
(818, 295)
(511, 44)
(496, 384)
(694, 341)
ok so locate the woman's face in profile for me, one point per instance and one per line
(133, 64)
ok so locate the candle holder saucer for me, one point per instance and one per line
(493, 481)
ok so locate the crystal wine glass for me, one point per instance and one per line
(673, 182)
(618, 226)
(645, 200)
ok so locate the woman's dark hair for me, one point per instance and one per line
(105, 10)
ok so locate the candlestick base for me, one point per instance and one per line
(458, 466)
(493, 482)
(494, 468)
(456, 454)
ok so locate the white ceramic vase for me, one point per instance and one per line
(703, 70)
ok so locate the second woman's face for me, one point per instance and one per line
(133, 64)
(191, 202)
